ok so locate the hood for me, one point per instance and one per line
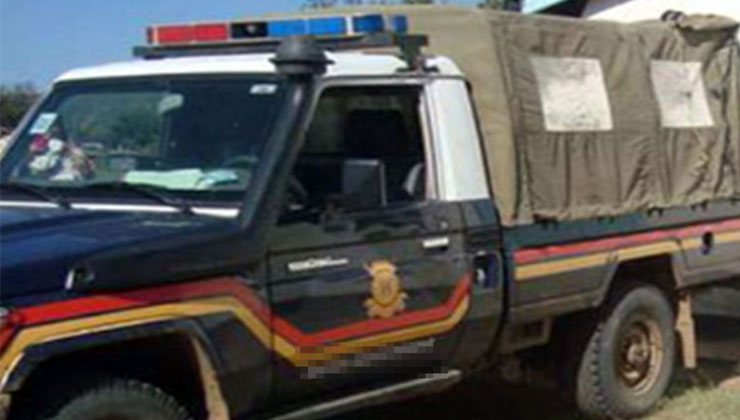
(38, 247)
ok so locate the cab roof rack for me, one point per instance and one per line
(330, 33)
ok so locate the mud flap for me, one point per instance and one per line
(686, 331)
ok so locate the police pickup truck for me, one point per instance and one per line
(244, 223)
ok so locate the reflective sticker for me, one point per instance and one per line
(263, 89)
(217, 177)
(573, 94)
(43, 122)
(681, 95)
(170, 102)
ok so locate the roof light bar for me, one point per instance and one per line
(236, 31)
(409, 45)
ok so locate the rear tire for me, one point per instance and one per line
(121, 399)
(629, 357)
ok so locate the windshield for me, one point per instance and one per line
(198, 138)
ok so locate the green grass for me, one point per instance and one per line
(698, 396)
(700, 404)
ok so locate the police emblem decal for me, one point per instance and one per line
(387, 298)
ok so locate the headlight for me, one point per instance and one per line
(4, 317)
(10, 322)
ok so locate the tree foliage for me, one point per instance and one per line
(493, 4)
(319, 4)
(323, 4)
(15, 101)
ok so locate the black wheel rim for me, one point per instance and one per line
(639, 354)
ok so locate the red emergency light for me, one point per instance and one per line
(183, 34)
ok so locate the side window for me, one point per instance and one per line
(363, 150)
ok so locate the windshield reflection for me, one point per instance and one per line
(180, 135)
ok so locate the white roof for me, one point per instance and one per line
(344, 64)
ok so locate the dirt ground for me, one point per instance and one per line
(693, 396)
(711, 392)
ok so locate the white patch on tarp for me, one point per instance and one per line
(679, 87)
(573, 94)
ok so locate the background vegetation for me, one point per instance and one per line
(15, 100)
(320, 4)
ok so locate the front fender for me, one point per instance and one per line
(36, 354)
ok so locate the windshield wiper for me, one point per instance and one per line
(34, 191)
(150, 192)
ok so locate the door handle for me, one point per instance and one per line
(707, 243)
(438, 243)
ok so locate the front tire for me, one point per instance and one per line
(121, 399)
(629, 358)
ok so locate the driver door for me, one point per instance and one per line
(367, 272)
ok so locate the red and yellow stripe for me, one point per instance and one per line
(540, 262)
(98, 313)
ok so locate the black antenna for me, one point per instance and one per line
(410, 46)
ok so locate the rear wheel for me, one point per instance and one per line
(629, 358)
(116, 399)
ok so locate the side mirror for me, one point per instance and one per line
(333, 187)
(363, 185)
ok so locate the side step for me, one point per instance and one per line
(393, 393)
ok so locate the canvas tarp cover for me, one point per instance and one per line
(585, 119)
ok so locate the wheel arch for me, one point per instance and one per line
(665, 274)
(175, 355)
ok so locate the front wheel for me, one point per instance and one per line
(629, 358)
(121, 399)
